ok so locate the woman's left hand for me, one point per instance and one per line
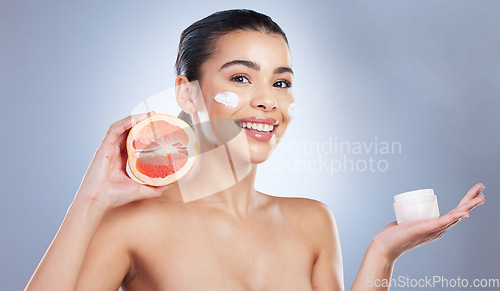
(394, 239)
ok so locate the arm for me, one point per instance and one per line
(104, 187)
(109, 260)
(328, 271)
(375, 270)
(60, 266)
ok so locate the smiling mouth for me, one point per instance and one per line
(256, 126)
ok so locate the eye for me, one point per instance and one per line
(240, 79)
(282, 84)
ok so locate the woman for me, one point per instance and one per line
(120, 233)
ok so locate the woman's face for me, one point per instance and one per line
(247, 81)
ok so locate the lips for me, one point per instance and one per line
(258, 127)
(260, 119)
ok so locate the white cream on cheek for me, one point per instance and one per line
(292, 110)
(228, 99)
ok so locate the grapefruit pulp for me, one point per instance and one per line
(161, 149)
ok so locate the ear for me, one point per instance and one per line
(185, 94)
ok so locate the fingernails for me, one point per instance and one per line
(465, 215)
(480, 188)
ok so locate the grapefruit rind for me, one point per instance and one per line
(192, 148)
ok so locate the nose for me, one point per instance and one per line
(264, 99)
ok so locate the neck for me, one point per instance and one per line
(220, 181)
(238, 199)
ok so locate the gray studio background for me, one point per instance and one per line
(423, 75)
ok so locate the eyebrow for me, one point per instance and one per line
(255, 66)
(281, 70)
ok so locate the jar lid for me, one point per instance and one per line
(416, 194)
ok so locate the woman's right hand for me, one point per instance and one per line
(106, 182)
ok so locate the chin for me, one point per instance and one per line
(244, 149)
(259, 159)
(260, 153)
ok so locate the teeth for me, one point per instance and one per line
(257, 126)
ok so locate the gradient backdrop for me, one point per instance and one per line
(422, 75)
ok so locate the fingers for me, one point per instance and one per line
(453, 217)
(116, 132)
(438, 233)
(468, 206)
(430, 230)
(392, 224)
(472, 199)
(473, 192)
(447, 226)
(439, 224)
(151, 191)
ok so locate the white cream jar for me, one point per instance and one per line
(416, 205)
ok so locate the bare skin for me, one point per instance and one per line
(118, 232)
(200, 246)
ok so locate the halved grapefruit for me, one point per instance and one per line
(161, 149)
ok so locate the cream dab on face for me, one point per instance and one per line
(292, 110)
(228, 99)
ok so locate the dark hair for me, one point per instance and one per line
(198, 40)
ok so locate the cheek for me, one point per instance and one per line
(228, 99)
(288, 108)
(286, 103)
(221, 104)
(291, 110)
(224, 104)
(222, 107)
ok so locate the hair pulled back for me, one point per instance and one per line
(197, 42)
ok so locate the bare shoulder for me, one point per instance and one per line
(302, 206)
(310, 214)
(128, 219)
